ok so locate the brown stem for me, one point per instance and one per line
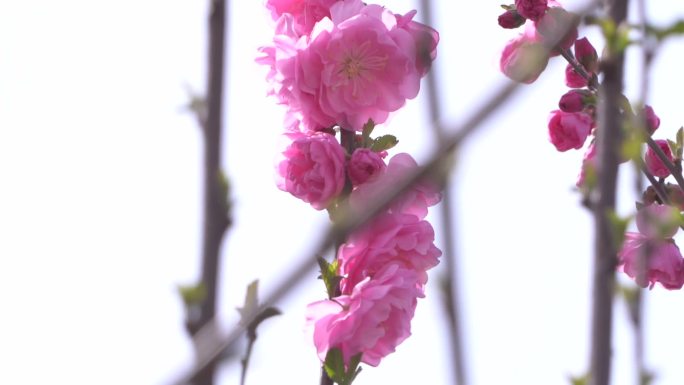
(216, 216)
(579, 68)
(609, 140)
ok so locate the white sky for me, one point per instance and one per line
(100, 204)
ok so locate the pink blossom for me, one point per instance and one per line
(573, 101)
(389, 238)
(313, 169)
(305, 13)
(569, 129)
(366, 64)
(523, 59)
(648, 261)
(531, 9)
(415, 200)
(658, 221)
(653, 163)
(373, 320)
(425, 39)
(573, 79)
(364, 165)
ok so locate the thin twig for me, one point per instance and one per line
(609, 143)
(216, 215)
(449, 279)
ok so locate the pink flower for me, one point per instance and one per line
(569, 129)
(573, 79)
(648, 261)
(523, 59)
(366, 65)
(364, 165)
(531, 9)
(313, 169)
(425, 39)
(658, 221)
(389, 238)
(304, 12)
(653, 163)
(415, 201)
(373, 320)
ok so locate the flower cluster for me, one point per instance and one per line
(341, 67)
(647, 256)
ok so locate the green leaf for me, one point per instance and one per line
(619, 226)
(384, 143)
(192, 294)
(329, 275)
(579, 380)
(680, 142)
(353, 369)
(672, 145)
(510, 7)
(367, 130)
(334, 365)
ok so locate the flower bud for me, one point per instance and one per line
(511, 19)
(555, 21)
(650, 118)
(573, 79)
(586, 54)
(653, 163)
(658, 221)
(531, 9)
(574, 100)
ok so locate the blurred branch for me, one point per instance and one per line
(213, 348)
(216, 210)
(449, 280)
(609, 141)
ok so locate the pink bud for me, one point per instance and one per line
(573, 79)
(573, 101)
(554, 22)
(523, 59)
(586, 54)
(364, 165)
(511, 19)
(531, 9)
(653, 163)
(658, 221)
(652, 120)
(569, 129)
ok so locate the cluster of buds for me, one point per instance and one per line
(651, 254)
(340, 67)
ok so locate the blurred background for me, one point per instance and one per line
(100, 203)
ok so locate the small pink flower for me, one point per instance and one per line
(653, 163)
(364, 165)
(573, 79)
(569, 129)
(658, 221)
(523, 59)
(531, 9)
(389, 238)
(648, 261)
(415, 201)
(313, 169)
(373, 320)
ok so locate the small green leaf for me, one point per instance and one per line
(329, 275)
(384, 143)
(367, 130)
(672, 145)
(619, 226)
(353, 369)
(334, 365)
(680, 142)
(192, 294)
(579, 380)
(510, 7)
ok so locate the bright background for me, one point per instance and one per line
(100, 175)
